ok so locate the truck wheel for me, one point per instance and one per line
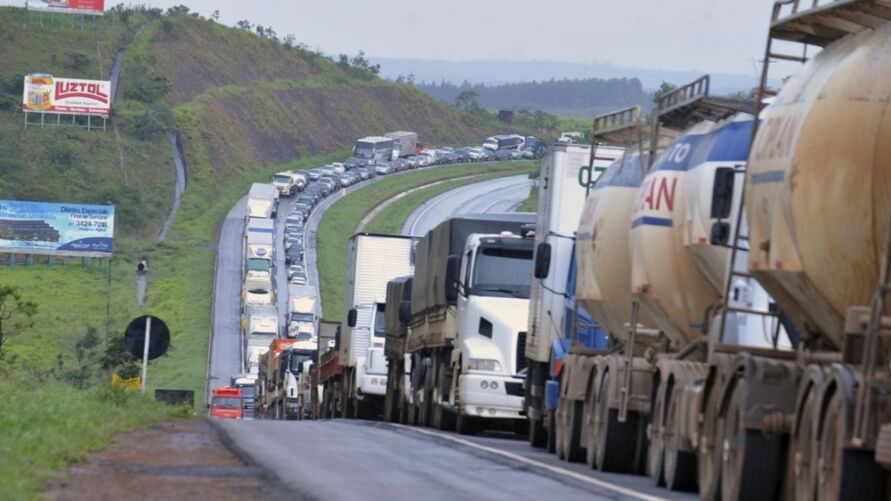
(467, 425)
(560, 425)
(708, 456)
(845, 473)
(751, 461)
(615, 440)
(552, 432)
(572, 434)
(680, 466)
(656, 449)
(538, 435)
(803, 446)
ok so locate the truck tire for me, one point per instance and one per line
(538, 435)
(443, 419)
(552, 432)
(467, 425)
(751, 466)
(708, 452)
(615, 440)
(802, 459)
(845, 473)
(656, 449)
(572, 434)
(680, 465)
(560, 426)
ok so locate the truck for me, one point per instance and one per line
(259, 238)
(226, 403)
(469, 304)
(397, 317)
(566, 175)
(283, 379)
(302, 320)
(359, 379)
(288, 182)
(327, 367)
(262, 201)
(504, 142)
(368, 150)
(405, 144)
(259, 326)
(247, 384)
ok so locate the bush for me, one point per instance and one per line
(145, 85)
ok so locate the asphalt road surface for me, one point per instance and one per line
(495, 195)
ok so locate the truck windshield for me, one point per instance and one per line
(227, 402)
(502, 272)
(297, 359)
(380, 329)
(254, 264)
(247, 391)
(301, 317)
(365, 150)
(281, 179)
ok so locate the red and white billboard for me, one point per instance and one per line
(70, 6)
(48, 94)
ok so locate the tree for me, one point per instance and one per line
(16, 315)
(289, 40)
(466, 100)
(215, 16)
(244, 24)
(87, 356)
(663, 89)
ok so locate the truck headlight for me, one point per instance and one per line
(484, 364)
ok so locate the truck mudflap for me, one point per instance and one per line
(491, 396)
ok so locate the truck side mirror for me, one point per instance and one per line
(543, 260)
(722, 192)
(453, 271)
(405, 312)
(351, 317)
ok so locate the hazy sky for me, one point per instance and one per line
(708, 35)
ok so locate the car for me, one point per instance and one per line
(298, 280)
(501, 155)
(294, 255)
(314, 174)
(339, 168)
(363, 174)
(477, 153)
(326, 170)
(487, 154)
(301, 207)
(354, 176)
(383, 168)
(329, 184)
(295, 269)
(450, 157)
(463, 155)
(516, 154)
(303, 214)
(353, 163)
(294, 220)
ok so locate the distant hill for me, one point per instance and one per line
(499, 72)
(570, 98)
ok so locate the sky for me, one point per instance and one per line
(709, 35)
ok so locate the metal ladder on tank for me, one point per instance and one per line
(812, 22)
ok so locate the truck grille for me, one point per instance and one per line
(521, 351)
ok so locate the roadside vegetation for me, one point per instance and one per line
(342, 218)
(531, 203)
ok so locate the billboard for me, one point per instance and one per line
(47, 94)
(57, 229)
(70, 6)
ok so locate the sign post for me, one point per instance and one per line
(145, 351)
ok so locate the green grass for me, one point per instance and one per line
(531, 203)
(46, 427)
(393, 217)
(342, 218)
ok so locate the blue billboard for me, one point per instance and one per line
(56, 229)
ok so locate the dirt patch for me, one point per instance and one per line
(182, 459)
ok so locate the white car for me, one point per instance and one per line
(298, 280)
(295, 269)
(338, 168)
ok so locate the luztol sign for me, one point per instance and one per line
(48, 94)
(73, 6)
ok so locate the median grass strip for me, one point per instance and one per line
(342, 218)
(46, 426)
(531, 203)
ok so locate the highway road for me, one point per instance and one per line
(495, 195)
(346, 459)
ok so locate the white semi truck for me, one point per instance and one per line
(302, 318)
(356, 385)
(566, 173)
(259, 326)
(262, 201)
(469, 304)
(405, 144)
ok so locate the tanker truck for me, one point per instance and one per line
(469, 306)
(562, 188)
(813, 424)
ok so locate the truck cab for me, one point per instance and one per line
(226, 403)
(492, 305)
(295, 372)
(372, 367)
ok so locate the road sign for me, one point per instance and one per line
(159, 337)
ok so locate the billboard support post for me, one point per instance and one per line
(145, 351)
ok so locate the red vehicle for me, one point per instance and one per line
(227, 403)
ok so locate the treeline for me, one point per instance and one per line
(563, 97)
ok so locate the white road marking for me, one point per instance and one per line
(538, 464)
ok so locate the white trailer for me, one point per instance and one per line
(259, 238)
(259, 326)
(302, 318)
(405, 143)
(373, 261)
(262, 201)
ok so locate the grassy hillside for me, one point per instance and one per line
(244, 106)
